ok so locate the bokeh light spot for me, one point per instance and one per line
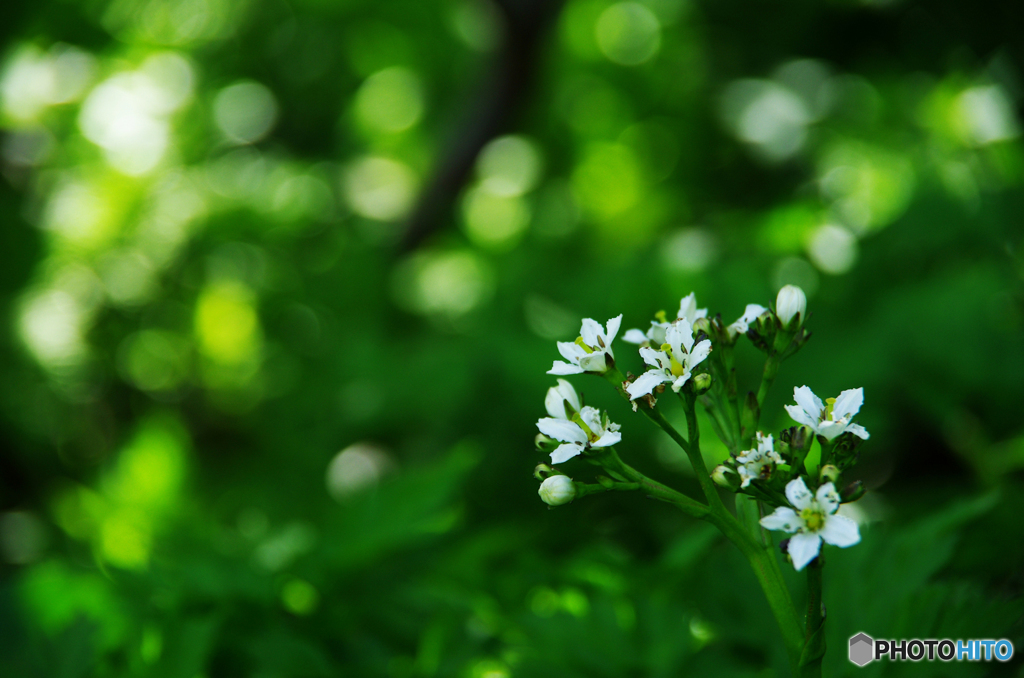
(449, 283)
(494, 221)
(226, 323)
(833, 249)
(628, 33)
(509, 166)
(355, 468)
(245, 112)
(390, 100)
(379, 188)
(299, 597)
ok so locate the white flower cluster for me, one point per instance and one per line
(673, 354)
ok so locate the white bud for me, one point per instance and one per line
(788, 304)
(557, 490)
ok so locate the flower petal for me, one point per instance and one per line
(655, 359)
(840, 531)
(797, 414)
(562, 430)
(566, 390)
(810, 403)
(591, 416)
(688, 307)
(803, 548)
(634, 337)
(554, 403)
(699, 353)
(570, 351)
(594, 362)
(678, 383)
(590, 331)
(827, 498)
(608, 439)
(565, 452)
(680, 334)
(784, 519)
(848, 404)
(859, 431)
(831, 429)
(796, 492)
(613, 329)
(560, 368)
(645, 383)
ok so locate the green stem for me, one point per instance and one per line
(616, 379)
(610, 459)
(763, 561)
(814, 637)
(771, 369)
(696, 458)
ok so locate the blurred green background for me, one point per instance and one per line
(281, 281)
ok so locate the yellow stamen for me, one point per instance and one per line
(582, 344)
(813, 518)
(660, 317)
(827, 412)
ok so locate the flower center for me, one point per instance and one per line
(826, 414)
(813, 517)
(674, 365)
(582, 344)
(578, 420)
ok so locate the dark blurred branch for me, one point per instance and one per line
(488, 114)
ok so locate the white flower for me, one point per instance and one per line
(655, 336)
(587, 427)
(813, 520)
(750, 314)
(673, 363)
(759, 462)
(828, 421)
(790, 301)
(557, 490)
(590, 351)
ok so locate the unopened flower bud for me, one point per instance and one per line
(701, 382)
(721, 476)
(791, 307)
(544, 443)
(852, 492)
(801, 438)
(829, 474)
(702, 325)
(542, 471)
(557, 490)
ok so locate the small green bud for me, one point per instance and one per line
(852, 492)
(701, 383)
(557, 490)
(542, 471)
(766, 324)
(829, 474)
(544, 443)
(721, 477)
(702, 325)
(802, 438)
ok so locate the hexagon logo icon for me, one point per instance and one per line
(862, 649)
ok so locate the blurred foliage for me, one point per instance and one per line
(246, 434)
